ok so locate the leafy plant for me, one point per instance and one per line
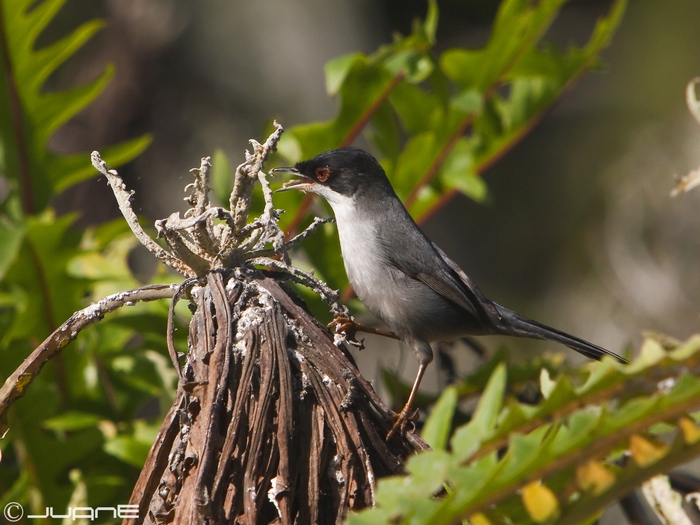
(559, 460)
(66, 434)
(435, 123)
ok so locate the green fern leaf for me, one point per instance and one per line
(31, 116)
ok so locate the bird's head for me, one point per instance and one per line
(338, 174)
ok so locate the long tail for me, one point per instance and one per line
(512, 323)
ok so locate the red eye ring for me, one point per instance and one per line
(322, 174)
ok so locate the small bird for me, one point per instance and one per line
(399, 274)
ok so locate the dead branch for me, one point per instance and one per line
(19, 381)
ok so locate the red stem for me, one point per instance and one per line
(439, 160)
(469, 119)
(487, 162)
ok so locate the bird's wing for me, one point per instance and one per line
(444, 277)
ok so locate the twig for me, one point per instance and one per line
(247, 173)
(124, 200)
(269, 218)
(268, 252)
(17, 383)
(329, 295)
(199, 199)
(309, 230)
(175, 222)
(185, 287)
(199, 202)
(185, 249)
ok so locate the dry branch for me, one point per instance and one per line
(18, 382)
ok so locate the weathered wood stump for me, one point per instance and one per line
(272, 423)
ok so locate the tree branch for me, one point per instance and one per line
(19, 381)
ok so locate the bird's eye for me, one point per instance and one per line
(322, 174)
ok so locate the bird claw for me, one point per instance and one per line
(405, 417)
(347, 327)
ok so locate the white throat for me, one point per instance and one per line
(358, 241)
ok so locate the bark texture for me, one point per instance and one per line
(272, 423)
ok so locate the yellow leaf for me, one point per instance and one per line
(540, 502)
(644, 452)
(691, 432)
(594, 476)
(479, 519)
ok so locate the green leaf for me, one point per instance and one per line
(460, 65)
(567, 441)
(413, 162)
(458, 172)
(414, 107)
(469, 101)
(486, 413)
(428, 470)
(30, 115)
(431, 21)
(439, 424)
(71, 421)
(133, 448)
(337, 71)
(11, 236)
(68, 170)
(324, 252)
(128, 449)
(221, 176)
(467, 438)
(40, 276)
(385, 132)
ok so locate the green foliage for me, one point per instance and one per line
(30, 116)
(436, 122)
(437, 428)
(77, 418)
(558, 460)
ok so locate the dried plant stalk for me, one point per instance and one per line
(272, 422)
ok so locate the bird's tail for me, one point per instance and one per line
(513, 323)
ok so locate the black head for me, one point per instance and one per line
(345, 171)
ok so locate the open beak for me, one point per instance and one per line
(303, 183)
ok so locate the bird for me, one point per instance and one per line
(399, 274)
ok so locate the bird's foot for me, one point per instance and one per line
(406, 416)
(347, 327)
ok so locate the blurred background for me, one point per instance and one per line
(579, 230)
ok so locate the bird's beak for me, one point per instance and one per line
(302, 184)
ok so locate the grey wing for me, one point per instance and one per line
(429, 265)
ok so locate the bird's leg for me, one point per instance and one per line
(424, 354)
(348, 328)
(405, 414)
